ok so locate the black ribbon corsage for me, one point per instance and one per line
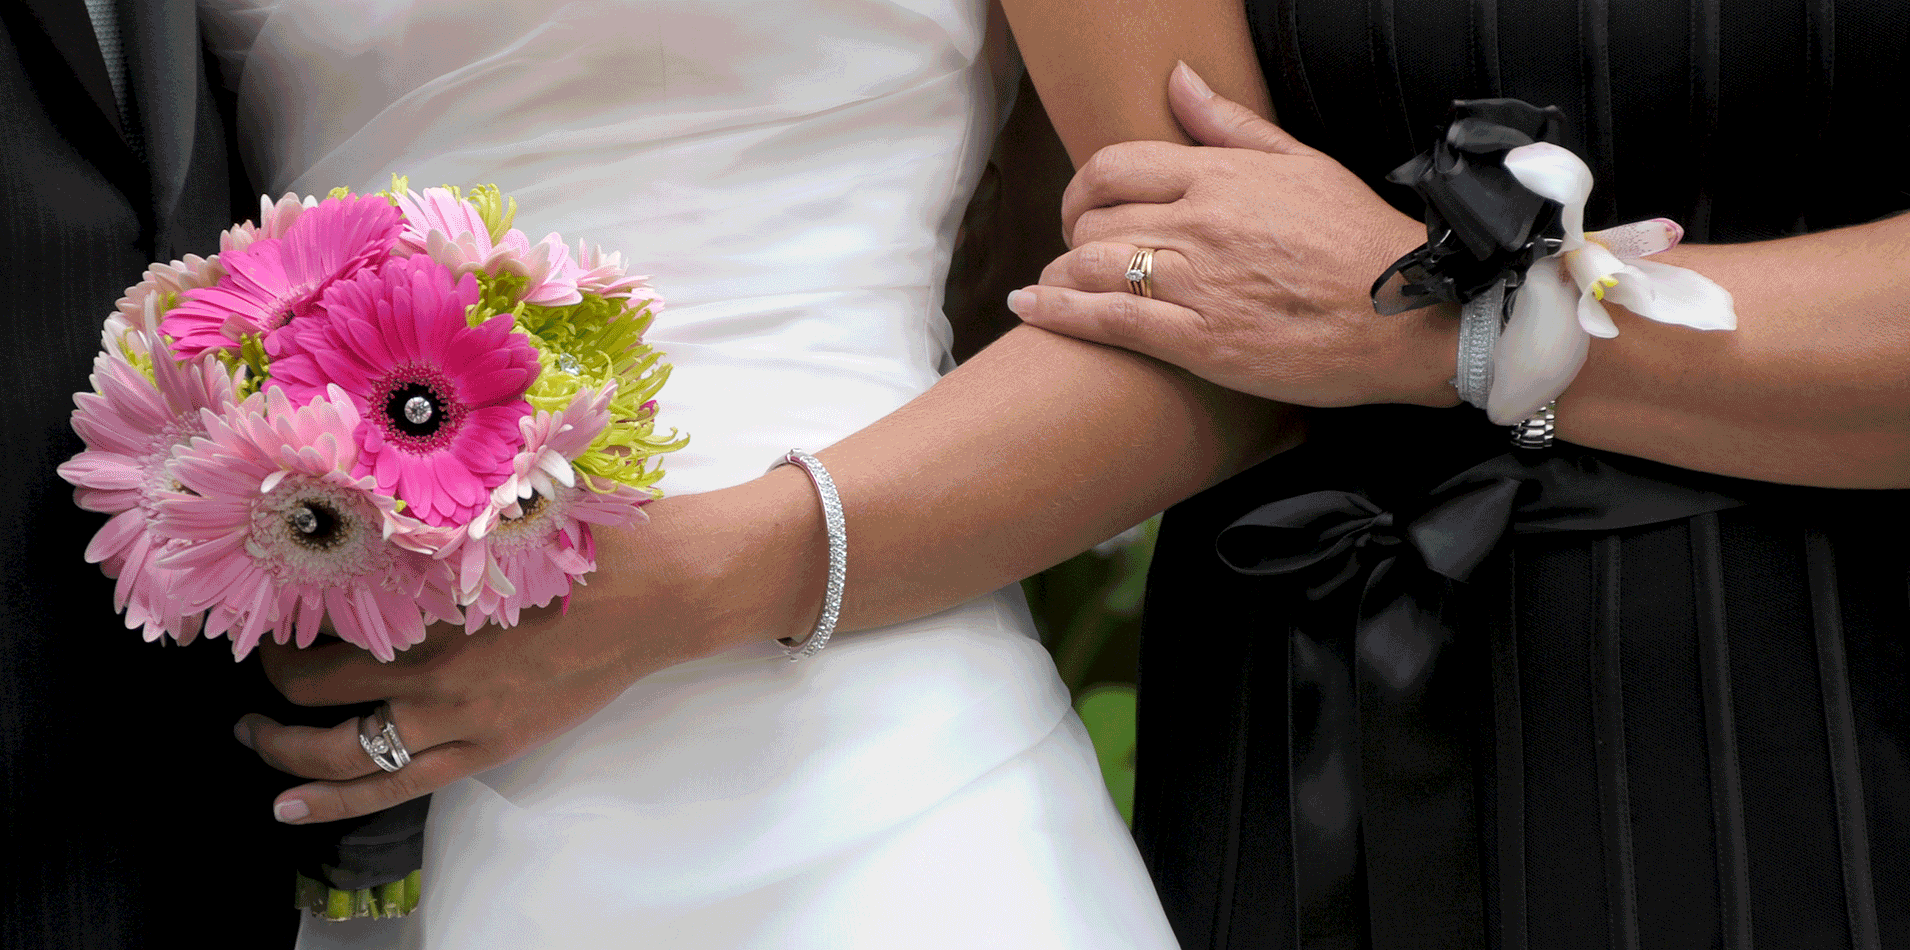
(1482, 226)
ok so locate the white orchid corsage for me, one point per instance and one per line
(1561, 304)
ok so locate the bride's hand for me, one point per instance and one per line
(1265, 252)
(463, 704)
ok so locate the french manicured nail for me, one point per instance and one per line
(243, 733)
(1193, 79)
(290, 810)
(1020, 301)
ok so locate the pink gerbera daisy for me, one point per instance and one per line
(280, 536)
(440, 399)
(275, 219)
(161, 287)
(273, 281)
(534, 539)
(453, 233)
(131, 425)
(601, 272)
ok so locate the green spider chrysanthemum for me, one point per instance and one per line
(251, 358)
(593, 345)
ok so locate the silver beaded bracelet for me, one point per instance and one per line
(838, 556)
(1480, 321)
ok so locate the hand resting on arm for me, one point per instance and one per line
(1268, 249)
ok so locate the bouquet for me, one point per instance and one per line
(365, 415)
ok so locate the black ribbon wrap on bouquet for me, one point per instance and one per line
(357, 853)
(1482, 226)
(366, 852)
(1378, 761)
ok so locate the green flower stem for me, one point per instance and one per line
(396, 899)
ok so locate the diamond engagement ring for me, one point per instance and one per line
(379, 735)
(1140, 270)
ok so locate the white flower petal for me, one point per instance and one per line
(1687, 298)
(1542, 347)
(1633, 291)
(1593, 319)
(1554, 172)
(1589, 266)
(1639, 238)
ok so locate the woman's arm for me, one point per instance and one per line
(1041, 445)
(1812, 388)
(1034, 449)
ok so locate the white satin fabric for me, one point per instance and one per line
(792, 173)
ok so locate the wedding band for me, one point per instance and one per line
(379, 735)
(1140, 272)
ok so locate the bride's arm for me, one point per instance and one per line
(1040, 445)
(1034, 449)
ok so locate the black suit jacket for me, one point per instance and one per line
(131, 816)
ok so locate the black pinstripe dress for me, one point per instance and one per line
(1668, 710)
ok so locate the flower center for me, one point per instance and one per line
(300, 301)
(532, 506)
(419, 409)
(537, 519)
(315, 524)
(158, 478)
(307, 531)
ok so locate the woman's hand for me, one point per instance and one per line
(463, 704)
(1265, 252)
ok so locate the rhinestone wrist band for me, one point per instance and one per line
(1480, 321)
(838, 556)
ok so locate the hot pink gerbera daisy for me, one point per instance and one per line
(273, 281)
(130, 426)
(280, 536)
(440, 399)
(534, 539)
(453, 233)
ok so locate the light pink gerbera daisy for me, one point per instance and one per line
(273, 281)
(534, 539)
(275, 219)
(453, 233)
(440, 399)
(280, 536)
(130, 426)
(602, 273)
(160, 287)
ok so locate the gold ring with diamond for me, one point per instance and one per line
(379, 736)
(1140, 270)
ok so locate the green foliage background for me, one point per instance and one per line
(1089, 611)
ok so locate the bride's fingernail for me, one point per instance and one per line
(1193, 80)
(290, 810)
(243, 733)
(1019, 301)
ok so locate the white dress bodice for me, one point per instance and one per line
(791, 173)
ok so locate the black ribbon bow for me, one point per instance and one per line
(1482, 226)
(1382, 770)
(1329, 536)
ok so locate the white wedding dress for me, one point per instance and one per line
(792, 174)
